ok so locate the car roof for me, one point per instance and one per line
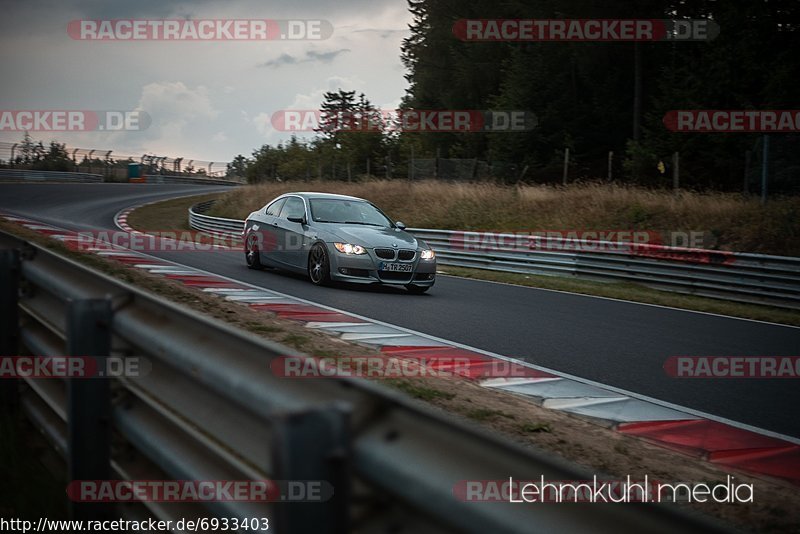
(311, 194)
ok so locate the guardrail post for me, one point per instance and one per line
(313, 446)
(9, 322)
(89, 401)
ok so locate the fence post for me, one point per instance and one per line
(309, 447)
(9, 322)
(676, 173)
(610, 163)
(764, 169)
(89, 401)
(566, 166)
(747, 158)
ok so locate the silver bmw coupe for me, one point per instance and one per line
(337, 238)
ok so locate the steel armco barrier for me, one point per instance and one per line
(48, 176)
(734, 276)
(213, 225)
(210, 409)
(168, 179)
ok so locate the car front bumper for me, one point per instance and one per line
(364, 269)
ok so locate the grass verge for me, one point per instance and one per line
(726, 221)
(166, 215)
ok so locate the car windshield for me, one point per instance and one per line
(326, 210)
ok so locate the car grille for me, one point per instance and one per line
(394, 277)
(407, 255)
(385, 253)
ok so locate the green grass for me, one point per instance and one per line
(482, 414)
(536, 427)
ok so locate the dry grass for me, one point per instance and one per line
(731, 222)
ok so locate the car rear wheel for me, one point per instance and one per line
(319, 269)
(251, 253)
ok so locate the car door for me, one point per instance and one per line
(290, 234)
(268, 230)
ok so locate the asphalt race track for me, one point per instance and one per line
(613, 342)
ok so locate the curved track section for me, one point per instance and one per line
(621, 344)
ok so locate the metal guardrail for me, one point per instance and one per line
(28, 175)
(210, 409)
(168, 179)
(213, 225)
(734, 276)
(48, 176)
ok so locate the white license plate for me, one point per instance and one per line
(396, 267)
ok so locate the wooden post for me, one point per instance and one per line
(566, 166)
(676, 174)
(764, 169)
(610, 163)
(747, 157)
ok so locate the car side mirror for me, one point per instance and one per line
(401, 225)
(300, 220)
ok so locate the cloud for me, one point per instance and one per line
(262, 123)
(178, 114)
(308, 57)
(382, 33)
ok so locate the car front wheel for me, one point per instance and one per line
(319, 269)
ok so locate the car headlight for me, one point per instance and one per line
(427, 255)
(347, 248)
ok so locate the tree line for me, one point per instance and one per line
(591, 98)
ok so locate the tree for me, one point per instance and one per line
(237, 167)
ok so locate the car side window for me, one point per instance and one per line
(275, 208)
(294, 207)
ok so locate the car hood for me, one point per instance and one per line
(372, 236)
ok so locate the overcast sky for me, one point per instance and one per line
(207, 100)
